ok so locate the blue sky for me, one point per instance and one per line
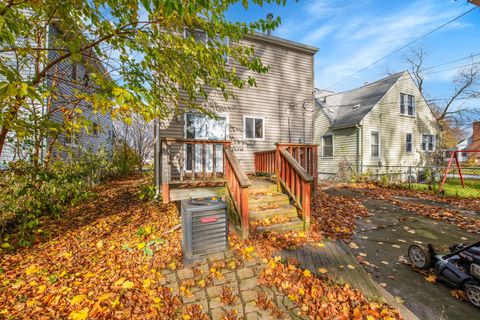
(351, 34)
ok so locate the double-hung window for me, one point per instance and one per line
(327, 146)
(375, 144)
(428, 142)
(201, 36)
(254, 128)
(407, 104)
(409, 143)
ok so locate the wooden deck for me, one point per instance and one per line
(343, 267)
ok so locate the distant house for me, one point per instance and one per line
(66, 79)
(471, 143)
(378, 127)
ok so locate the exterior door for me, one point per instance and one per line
(202, 127)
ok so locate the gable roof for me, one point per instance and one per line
(348, 108)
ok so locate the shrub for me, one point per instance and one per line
(28, 192)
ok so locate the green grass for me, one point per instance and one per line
(453, 188)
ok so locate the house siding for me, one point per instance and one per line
(393, 127)
(344, 146)
(14, 150)
(288, 84)
(65, 90)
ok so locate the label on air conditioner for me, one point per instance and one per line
(208, 219)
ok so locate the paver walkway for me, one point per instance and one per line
(242, 282)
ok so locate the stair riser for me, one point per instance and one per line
(282, 228)
(267, 202)
(260, 215)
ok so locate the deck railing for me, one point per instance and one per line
(297, 182)
(265, 161)
(306, 155)
(237, 186)
(188, 160)
(296, 168)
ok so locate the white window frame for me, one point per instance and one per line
(333, 145)
(185, 114)
(414, 106)
(434, 142)
(411, 142)
(379, 144)
(406, 97)
(245, 127)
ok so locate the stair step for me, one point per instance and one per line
(264, 199)
(296, 225)
(257, 213)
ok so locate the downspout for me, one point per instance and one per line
(357, 132)
(156, 130)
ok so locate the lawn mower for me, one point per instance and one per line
(459, 269)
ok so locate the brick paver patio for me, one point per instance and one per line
(204, 284)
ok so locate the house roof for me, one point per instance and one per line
(284, 42)
(348, 108)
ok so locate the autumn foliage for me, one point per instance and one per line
(319, 299)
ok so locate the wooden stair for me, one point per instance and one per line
(270, 210)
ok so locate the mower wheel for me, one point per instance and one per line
(419, 256)
(472, 292)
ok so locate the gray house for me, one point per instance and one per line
(279, 109)
(65, 81)
(379, 127)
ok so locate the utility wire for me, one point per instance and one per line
(403, 47)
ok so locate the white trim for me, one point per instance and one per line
(333, 145)
(379, 144)
(411, 142)
(407, 95)
(263, 127)
(227, 129)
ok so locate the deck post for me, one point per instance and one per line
(166, 192)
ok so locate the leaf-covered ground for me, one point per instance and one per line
(93, 261)
(449, 210)
(106, 259)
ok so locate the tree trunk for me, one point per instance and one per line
(11, 114)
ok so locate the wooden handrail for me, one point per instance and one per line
(265, 161)
(237, 184)
(288, 144)
(296, 181)
(196, 141)
(297, 166)
(237, 168)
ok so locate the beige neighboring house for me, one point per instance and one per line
(376, 128)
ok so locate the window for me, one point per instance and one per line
(327, 145)
(74, 72)
(71, 137)
(375, 144)
(428, 142)
(253, 127)
(411, 105)
(201, 36)
(407, 104)
(408, 143)
(95, 129)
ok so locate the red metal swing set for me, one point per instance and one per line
(454, 156)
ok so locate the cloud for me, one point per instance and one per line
(365, 39)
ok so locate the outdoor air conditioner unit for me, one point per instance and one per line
(204, 228)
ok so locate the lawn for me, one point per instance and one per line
(453, 188)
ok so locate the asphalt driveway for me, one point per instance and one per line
(382, 240)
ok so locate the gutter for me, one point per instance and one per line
(283, 42)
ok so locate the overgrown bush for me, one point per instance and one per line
(28, 192)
